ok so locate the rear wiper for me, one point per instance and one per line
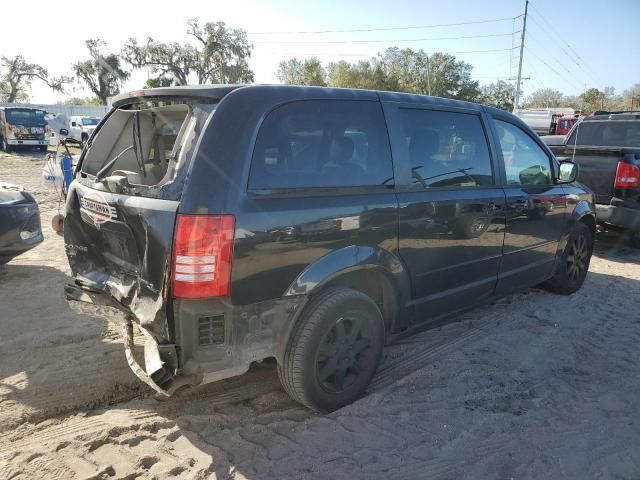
(110, 163)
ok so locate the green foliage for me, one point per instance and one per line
(159, 81)
(310, 72)
(589, 101)
(364, 74)
(16, 76)
(592, 100)
(221, 55)
(102, 73)
(544, 98)
(82, 101)
(440, 74)
(500, 95)
(396, 70)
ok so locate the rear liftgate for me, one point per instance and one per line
(119, 227)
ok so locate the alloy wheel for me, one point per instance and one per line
(342, 355)
(578, 258)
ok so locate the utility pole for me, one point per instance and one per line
(524, 27)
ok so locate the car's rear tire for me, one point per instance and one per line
(334, 350)
(634, 239)
(573, 265)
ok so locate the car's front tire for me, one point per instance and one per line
(5, 146)
(573, 265)
(334, 350)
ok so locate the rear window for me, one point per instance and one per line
(606, 134)
(319, 143)
(146, 141)
(25, 117)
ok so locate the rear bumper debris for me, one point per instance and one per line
(160, 370)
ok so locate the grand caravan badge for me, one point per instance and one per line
(96, 207)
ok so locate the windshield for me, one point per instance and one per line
(25, 117)
(606, 134)
(90, 121)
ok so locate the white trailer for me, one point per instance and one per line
(543, 120)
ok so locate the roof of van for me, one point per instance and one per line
(16, 107)
(219, 91)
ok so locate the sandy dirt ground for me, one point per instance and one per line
(533, 386)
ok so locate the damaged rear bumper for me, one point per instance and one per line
(214, 340)
(161, 371)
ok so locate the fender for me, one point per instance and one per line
(348, 259)
(583, 208)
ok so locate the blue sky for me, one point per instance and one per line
(569, 44)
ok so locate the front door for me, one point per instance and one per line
(452, 214)
(536, 209)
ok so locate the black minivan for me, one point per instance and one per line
(230, 224)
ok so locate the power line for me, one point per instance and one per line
(339, 54)
(387, 29)
(551, 68)
(553, 30)
(569, 55)
(575, 77)
(309, 42)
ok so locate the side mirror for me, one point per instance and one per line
(568, 172)
(64, 132)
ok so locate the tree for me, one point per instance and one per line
(160, 81)
(102, 73)
(544, 98)
(395, 70)
(17, 76)
(439, 74)
(364, 74)
(630, 99)
(290, 72)
(221, 55)
(592, 100)
(500, 94)
(82, 101)
(310, 72)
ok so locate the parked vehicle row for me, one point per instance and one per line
(25, 127)
(231, 224)
(548, 121)
(606, 146)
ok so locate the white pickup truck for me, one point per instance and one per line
(81, 127)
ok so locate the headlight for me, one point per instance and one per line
(11, 197)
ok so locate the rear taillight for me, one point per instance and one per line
(627, 176)
(202, 254)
